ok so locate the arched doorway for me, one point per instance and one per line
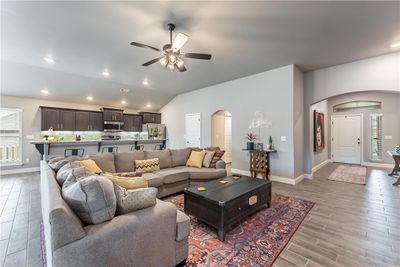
(221, 133)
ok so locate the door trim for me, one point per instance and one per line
(361, 115)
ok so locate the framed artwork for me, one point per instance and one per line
(319, 138)
(260, 146)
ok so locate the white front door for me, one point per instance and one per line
(192, 130)
(346, 139)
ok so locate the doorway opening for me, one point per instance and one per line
(221, 133)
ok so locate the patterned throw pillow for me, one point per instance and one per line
(131, 200)
(127, 182)
(217, 156)
(208, 158)
(147, 165)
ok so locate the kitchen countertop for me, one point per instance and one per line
(67, 142)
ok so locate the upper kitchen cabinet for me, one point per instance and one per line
(58, 119)
(89, 121)
(150, 117)
(113, 115)
(132, 123)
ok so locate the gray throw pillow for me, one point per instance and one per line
(208, 158)
(65, 171)
(92, 199)
(135, 199)
(77, 174)
(58, 162)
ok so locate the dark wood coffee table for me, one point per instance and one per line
(223, 205)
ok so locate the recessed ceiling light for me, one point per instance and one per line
(395, 45)
(123, 90)
(105, 73)
(148, 105)
(123, 102)
(145, 82)
(44, 91)
(90, 98)
(49, 60)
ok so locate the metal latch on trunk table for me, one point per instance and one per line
(252, 200)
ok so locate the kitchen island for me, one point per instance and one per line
(56, 148)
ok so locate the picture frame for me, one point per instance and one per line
(260, 146)
(319, 131)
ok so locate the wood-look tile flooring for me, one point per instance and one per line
(350, 225)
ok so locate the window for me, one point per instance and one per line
(357, 105)
(10, 136)
(376, 136)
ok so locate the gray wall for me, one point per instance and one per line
(298, 121)
(380, 73)
(390, 123)
(31, 123)
(270, 92)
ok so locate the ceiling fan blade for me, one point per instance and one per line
(181, 67)
(180, 40)
(145, 46)
(152, 61)
(197, 56)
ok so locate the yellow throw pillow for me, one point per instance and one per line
(91, 165)
(127, 182)
(147, 165)
(196, 159)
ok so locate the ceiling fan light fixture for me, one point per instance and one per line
(179, 63)
(172, 58)
(171, 67)
(164, 61)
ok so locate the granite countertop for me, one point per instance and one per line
(38, 142)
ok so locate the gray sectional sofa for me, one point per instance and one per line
(154, 236)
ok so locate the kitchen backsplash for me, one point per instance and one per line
(95, 135)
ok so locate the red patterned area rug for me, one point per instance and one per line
(256, 241)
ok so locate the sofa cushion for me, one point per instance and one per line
(127, 174)
(154, 179)
(217, 156)
(164, 157)
(92, 199)
(196, 158)
(182, 226)
(127, 182)
(57, 162)
(91, 165)
(125, 161)
(136, 199)
(76, 174)
(105, 162)
(66, 170)
(147, 165)
(173, 175)
(179, 157)
(204, 173)
(208, 158)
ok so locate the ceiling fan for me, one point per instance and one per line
(172, 57)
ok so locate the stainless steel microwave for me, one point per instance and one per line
(113, 126)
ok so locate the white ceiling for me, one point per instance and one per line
(243, 37)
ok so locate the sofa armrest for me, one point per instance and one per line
(220, 164)
(144, 237)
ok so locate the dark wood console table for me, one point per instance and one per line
(259, 162)
(396, 169)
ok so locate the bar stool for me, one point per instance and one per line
(109, 149)
(138, 147)
(74, 152)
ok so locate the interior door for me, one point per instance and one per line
(192, 130)
(346, 139)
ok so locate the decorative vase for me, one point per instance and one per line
(250, 145)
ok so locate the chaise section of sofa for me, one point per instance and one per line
(154, 236)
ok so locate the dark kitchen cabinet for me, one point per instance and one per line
(113, 115)
(96, 121)
(132, 123)
(150, 117)
(89, 121)
(50, 119)
(67, 120)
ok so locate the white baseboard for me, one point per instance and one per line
(274, 178)
(319, 166)
(378, 165)
(19, 170)
(308, 176)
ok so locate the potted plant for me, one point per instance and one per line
(250, 137)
